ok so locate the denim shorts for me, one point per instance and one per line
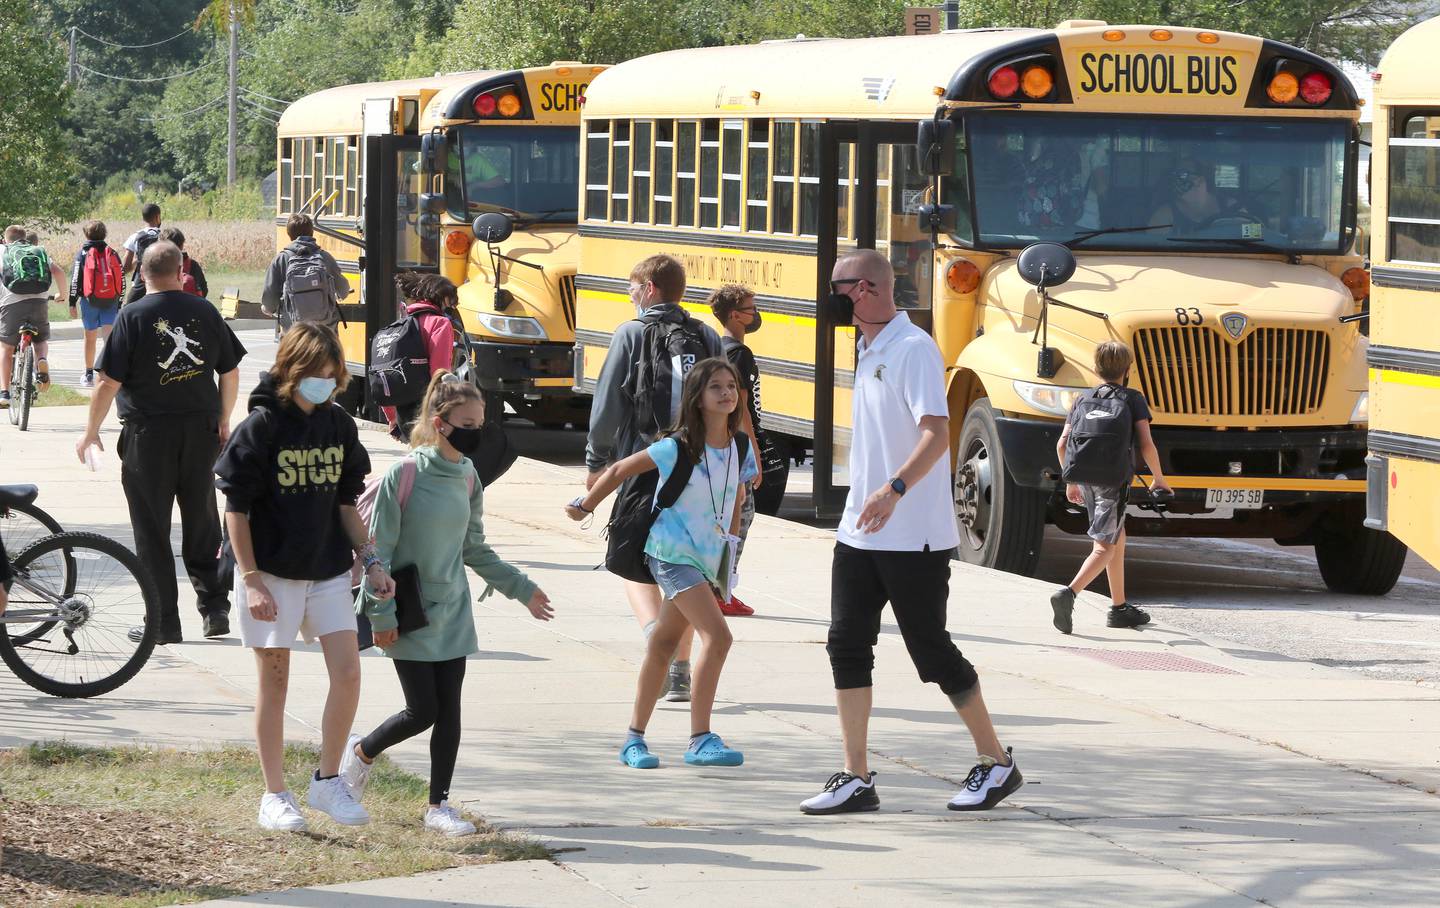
(674, 579)
(96, 317)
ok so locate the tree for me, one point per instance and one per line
(37, 170)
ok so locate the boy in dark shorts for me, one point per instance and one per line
(1106, 504)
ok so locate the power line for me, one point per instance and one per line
(188, 113)
(257, 105)
(261, 110)
(95, 72)
(80, 31)
(265, 97)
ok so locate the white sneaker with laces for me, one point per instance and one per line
(844, 793)
(280, 813)
(447, 821)
(333, 797)
(988, 784)
(355, 771)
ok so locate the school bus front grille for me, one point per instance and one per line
(567, 299)
(1201, 372)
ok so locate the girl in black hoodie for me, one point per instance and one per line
(291, 474)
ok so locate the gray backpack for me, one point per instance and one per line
(308, 294)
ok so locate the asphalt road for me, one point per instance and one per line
(1258, 599)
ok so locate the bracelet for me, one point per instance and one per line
(245, 574)
(580, 503)
(373, 563)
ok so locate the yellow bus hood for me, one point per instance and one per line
(536, 293)
(1149, 290)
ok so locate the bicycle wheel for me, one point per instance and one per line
(87, 652)
(26, 388)
(20, 526)
(16, 374)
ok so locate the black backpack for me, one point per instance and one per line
(399, 370)
(636, 508)
(669, 348)
(1098, 451)
(144, 240)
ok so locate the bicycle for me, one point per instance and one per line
(74, 598)
(23, 388)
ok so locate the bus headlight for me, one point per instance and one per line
(1361, 413)
(1051, 399)
(511, 326)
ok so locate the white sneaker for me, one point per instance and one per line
(447, 821)
(988, 784)
(355, 771)
(844, 793)
(333, 797)
(279, 812)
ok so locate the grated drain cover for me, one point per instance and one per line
(1148, 662)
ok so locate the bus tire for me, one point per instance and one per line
(1002, 523)
(1358, 560)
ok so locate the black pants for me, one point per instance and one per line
(917, 586)
(162, 461)
(432, 697)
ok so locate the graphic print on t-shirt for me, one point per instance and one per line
(185, 358)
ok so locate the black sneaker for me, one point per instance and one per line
(137, 633)
(844, 793)
(1062, 603)
(988, 784)
(1126, 615)
(217, 624)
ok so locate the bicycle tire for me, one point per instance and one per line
(27, 386)
(14, 651)
(19, 541)
(15, 385)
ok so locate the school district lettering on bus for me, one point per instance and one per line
(1159, 74)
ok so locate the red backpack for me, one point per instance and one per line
(187, 280)
(101, 280)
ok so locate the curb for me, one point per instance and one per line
(73, 329)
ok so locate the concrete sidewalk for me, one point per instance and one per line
(1160, 769)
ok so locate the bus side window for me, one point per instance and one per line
(1414, 215)
(597, 169)
(902, 190)
(955, 190)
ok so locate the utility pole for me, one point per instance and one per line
(232, 95)
(70, 67)
(952, 14)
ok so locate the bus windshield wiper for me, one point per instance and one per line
(543, 215)
(1240, 242)
(1105, 231)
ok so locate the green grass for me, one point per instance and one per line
(58, 395)
(179, 826)
(250, 282)
(59, 312)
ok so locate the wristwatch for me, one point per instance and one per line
(898, 485)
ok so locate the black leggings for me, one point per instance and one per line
(432, 697)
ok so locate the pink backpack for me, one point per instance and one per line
(365, 504)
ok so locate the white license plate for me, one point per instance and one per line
(1234, 498)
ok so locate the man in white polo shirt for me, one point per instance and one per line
(896, 539)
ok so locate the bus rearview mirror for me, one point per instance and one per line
(433, 149)
(935, 143)
(935, 218)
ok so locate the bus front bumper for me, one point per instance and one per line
(1291, 466)
(535, 369)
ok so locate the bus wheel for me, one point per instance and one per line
(1356, 559)
(1001, 523)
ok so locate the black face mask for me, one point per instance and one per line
(466, 441)
(754, 322)
(841, 309)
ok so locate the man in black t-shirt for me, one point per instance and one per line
(161, 362)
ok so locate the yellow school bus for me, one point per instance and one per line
(1205, 181)
(395, 173)
(1404, 353)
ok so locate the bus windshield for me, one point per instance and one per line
(529, 172)
(1198, 184)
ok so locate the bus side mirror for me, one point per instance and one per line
(432, 203)
(493, 227)
(433, 151)
(935, 145)
(936, 218)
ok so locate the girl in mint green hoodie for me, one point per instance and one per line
(441, 533)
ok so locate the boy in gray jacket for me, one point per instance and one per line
(301, 229)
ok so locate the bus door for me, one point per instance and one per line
(870, 191)
(401, 234)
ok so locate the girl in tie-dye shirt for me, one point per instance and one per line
(687, 552)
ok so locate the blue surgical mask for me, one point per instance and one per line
(315, 389)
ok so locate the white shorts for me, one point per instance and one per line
(313, 608)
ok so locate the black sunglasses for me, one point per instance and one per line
(839, 284)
